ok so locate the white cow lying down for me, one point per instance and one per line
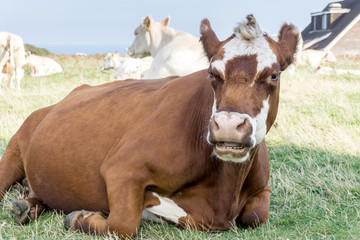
(12, 52)
(316, 57)
(174, 52)
(126, 66)
(42, 66)
(133, 68)
(113, 61)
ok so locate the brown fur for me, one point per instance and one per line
(107, 148)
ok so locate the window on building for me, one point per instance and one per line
(324, 22)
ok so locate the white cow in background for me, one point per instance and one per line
(126, 66)
(133, 68)
(12, 51)
(174, 52)
(42, 66)
(113, 61)
(316, 57)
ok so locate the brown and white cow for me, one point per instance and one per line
(186, 150)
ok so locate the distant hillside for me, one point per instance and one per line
(36, 50)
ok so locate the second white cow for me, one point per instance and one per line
(42, 66)
(133, 68)
(126, 66)
(174, 52)
(316, 57)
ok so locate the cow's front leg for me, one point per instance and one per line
(256, 210)
(125, 198)
(25, 210)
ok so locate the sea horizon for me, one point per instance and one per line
(89, 49)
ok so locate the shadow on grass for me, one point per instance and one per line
(315, 195)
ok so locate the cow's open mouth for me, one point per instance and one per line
(232, 151)
(229, 146)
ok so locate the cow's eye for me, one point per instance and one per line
(211, 75)
(274, 77)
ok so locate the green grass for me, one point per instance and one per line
(314, 148)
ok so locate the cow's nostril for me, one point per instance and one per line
(215, 125)
(241, 124)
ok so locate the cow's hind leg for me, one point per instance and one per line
(256, 210)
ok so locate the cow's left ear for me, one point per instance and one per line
(165, 22)
(147, 22)
(288, 45)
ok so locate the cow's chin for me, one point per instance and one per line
(232, 152)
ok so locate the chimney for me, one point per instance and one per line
(336, 11)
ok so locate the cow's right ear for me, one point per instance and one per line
(208, 39)
(147, 22)
(288, 45)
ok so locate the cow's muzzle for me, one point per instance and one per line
(231, 133)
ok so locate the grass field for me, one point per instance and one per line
(314, 151)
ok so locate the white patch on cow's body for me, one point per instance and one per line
(238, 47)
(146, 215)
(167, 209)
(261, 121)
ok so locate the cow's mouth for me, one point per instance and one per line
(232, 151)
(229, 146)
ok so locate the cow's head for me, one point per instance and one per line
(245, 76)
(147, 35)
(111, 60)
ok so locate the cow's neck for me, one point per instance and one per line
(161, 36)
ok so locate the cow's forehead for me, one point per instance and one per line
(238, 47)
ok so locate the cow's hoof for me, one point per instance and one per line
(21, 211)
(70, 220)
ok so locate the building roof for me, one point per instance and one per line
(325, 39)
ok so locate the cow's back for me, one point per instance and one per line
(90, 125)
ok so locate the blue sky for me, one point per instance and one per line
(113, 22)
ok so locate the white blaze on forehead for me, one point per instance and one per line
(167, 209)
(238, 47)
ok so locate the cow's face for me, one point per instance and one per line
(147, 35)
(141, 43)
(108, 62)
(111, 60)
(245, 75)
